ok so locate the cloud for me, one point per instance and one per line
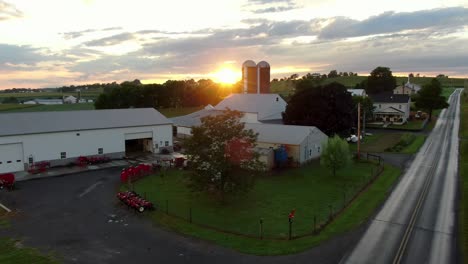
(20, 55)
(9, 11)
(77, 34)
(110, 41)
(270, 6)
(389, 22)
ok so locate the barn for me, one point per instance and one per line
(61, 137)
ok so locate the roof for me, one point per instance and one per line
(194, 119)
(389, 110)
(61, 121)
(390, 98)
(284, 134)
(267, 106)
(357, 92)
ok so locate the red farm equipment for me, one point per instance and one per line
(7, 181)
(39, 167)
(133, 200)
(133, 173)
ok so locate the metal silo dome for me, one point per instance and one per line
(263, 64)
(248, 63)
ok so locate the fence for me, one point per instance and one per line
(292, 228)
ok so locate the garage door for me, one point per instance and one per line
(130, 136)
(11, 157)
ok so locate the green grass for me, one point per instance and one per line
(284, 88)
(11, 107)
(173, 112)
(309, 190)
(386, 142)
(464, 177)
(45, 108)
(12, 252)
(410, 125)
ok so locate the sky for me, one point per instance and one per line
(51, 43)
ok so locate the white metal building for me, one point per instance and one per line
(61, 137)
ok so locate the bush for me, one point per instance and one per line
(405, 141)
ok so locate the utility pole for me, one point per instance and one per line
(359, 131)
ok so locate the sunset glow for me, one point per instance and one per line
(226, 75)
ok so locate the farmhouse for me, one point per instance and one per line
(61, 137)
(391, 108)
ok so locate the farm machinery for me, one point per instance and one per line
(135, 201)
(7, 181)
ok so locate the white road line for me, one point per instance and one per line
(6, 208)
(90, 188)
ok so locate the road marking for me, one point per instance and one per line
(409, 229)
(6, 208)
(90, 188)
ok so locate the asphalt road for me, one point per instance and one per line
(417, 224)
(78, 217)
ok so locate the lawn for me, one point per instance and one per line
(310, 190)
(173, 112)
(12, 107)
(410, 125)
(45, 108)
(387, 142)
(464, 177)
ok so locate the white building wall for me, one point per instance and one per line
(405, 107)
(48, 146)
(250, 118)
(311, 147)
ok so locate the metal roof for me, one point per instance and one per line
(357, 92)
(389, 98)
(268, 106)
(284, 134)
(61, 121)
(194, 119)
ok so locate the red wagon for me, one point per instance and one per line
(7, 181)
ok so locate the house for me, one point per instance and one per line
(391, 108)
(29, 102)
(61, 137)
(303, 143)
(265, 108)
(407, 88)
(70, 99)
(357, 92)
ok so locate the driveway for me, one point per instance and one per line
(78, 217)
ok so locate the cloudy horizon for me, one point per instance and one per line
(53, 43)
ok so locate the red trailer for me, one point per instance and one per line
(7, 181)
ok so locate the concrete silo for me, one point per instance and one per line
(263, 77)
(249, 76)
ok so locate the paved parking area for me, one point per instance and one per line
(78, 217)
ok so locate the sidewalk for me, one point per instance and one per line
(59, 171)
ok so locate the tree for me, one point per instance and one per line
(327, 107)
(333, 74)
(221, 155)
(380, 80)
(335, 154)
(411, 75)
(430, 98)
(10, 100)
(367, 106)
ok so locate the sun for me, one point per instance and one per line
(226, 75)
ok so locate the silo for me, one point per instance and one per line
(249, 76)
(263, 77)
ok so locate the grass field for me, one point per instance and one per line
(309, 190)
(410, 125)
(12, 107)
(173, 112)
(382, 142)
(45, 108)
(464, 177)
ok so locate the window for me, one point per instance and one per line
(18, 160)
(399, 106)
(1, 163)
(78, 134)
(318, 149)
(380, 106)
(100, 150)
(30, 159)
(166, 143)
(63, 155)
(310, 152)
(156, 145)
(8, 161)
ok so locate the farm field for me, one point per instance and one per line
(311, 190)
(47, 108)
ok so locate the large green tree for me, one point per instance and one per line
(380, 80)
(221, 154)
(430, 97)
(335, 154)
(329, 107)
